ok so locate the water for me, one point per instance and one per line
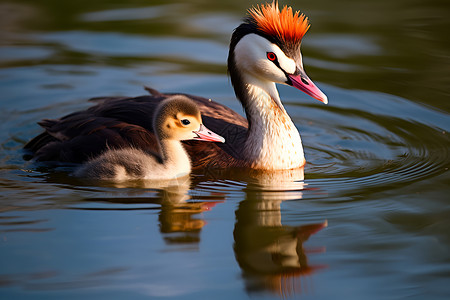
(368, 221)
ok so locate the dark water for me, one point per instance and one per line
(377, 172)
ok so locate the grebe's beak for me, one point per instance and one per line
(304, 84)
(204, 134)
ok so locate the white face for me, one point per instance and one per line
(251, 55)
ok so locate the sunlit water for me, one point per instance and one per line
(368, 217)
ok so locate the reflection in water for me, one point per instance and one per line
(270, 254)
(378, 157)
(178, 220)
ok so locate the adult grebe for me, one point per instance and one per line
(175, 119)
(264, 50)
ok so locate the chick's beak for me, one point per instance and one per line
(303, 83)
(204, 134)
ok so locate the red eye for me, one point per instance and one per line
(271, 56)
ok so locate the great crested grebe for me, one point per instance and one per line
(264, 50)
(175, 119)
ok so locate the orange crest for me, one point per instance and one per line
(286, 25)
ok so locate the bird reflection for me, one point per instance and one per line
(270, 254)
(178, 216)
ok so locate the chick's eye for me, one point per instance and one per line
(185, 122)
(271, 56)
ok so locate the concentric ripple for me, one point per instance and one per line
(356, 149)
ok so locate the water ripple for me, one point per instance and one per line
(393, 152)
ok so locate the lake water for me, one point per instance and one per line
(370, 219)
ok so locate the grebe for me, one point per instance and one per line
(264, 50)
(175, 119)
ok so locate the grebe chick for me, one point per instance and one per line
(175, 119)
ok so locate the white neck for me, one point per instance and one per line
(174, 157)
(273, 141)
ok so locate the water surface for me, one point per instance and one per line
(367, 218)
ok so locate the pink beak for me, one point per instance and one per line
(304, 84)
(204, 134)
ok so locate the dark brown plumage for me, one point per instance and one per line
(118, 122)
